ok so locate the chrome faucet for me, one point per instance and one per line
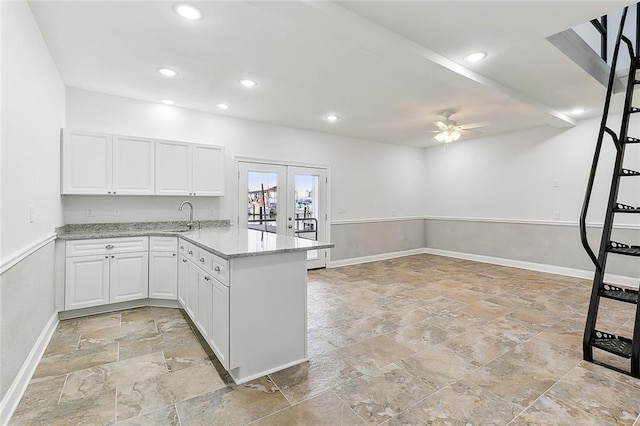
(190, 224)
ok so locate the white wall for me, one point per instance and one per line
(369, 179)
(512, 176)
(32, 115)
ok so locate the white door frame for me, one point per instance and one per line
(238, 159)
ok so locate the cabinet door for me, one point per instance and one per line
(205, 305)
(163, 275)
(129, 277)
(219, 339)
(86, 163)
(192, 291)
(208, 170)
(183, 281)
(133, 165)
(173, 168)
(86, 281)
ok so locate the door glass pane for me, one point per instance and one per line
(306, 209)
(262, 201)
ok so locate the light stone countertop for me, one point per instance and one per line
(217, 237)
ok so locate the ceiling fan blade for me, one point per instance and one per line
(440, 124)
(474, 125)
(470, 132)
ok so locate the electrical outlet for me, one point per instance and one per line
(32, 214)
(556, 183)
(211, 213)
(556, 215)
(89, 212)
(116, 212)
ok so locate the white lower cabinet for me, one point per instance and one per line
(205, 298)
(128, 277)
(103, 271)
(86, 281)
(163, 268)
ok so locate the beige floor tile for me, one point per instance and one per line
(127, 331)
(368, 327)
(160, 390)
(310, 378)
(406, 418)
(40, 394)
(374, 353)
(185, 356)
(482, 344)
(555, 359)
(165, 416)
(384, 393)
(55, 365)
(567, 333)
(549, 411)
(463, 403)
(325, 409)
(92, 322)
(156, 343)
(233, 405)
(439, 365)
(407, 316)
(97, 379)
(326, 339)
(98, 409)
(486, 310)
(64, 340)
(420, 336)
(598, 395)
(514, 380)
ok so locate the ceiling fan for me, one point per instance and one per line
(449, 130)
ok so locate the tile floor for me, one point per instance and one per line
(410, 341)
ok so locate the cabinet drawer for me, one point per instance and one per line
(106, 246)
(214, 265)
(163, 244)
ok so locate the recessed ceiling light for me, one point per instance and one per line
(187, 11)
(168, 72)
(223, 106)
(248, 83)
(578, 111)
(475, 56)
(332, 117)
(167, 102)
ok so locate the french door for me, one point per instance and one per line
(285, 199)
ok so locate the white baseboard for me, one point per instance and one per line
(16, 390)
(374, 258)
(621, 280)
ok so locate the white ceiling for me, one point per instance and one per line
(387, 68)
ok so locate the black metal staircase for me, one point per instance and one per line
(623, 347)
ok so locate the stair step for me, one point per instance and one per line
(616, 293)
(628, 172)
(616, 345)
(636, 81)
(629, 139)
(634, 110)
(623, 208)
(620, 248)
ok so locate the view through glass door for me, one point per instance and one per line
(284, 199)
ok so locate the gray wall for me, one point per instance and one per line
(354, 240)
(557, 245)
(27, 302)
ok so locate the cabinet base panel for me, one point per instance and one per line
(240, 378)
(112, 307)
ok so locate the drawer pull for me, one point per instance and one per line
(109, 246)
(207, 278)
(202, 259)
(217, 269)
(173, 254)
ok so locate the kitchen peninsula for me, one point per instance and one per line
(244, 290)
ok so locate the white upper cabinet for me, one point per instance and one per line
(173, 168)
(98, 163)
(208, 170)
(133, 165)
(189, 169)
(86, 163)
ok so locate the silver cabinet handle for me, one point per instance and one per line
(190, 251)
(173, 254)
(108, 246)
(202, 259)
(181, 247)
(207, 278)
(106, 257)
(184, 260)
(290, 226)
(112, 257)
(217, 269)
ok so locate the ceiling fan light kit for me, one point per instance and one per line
(449, 130)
